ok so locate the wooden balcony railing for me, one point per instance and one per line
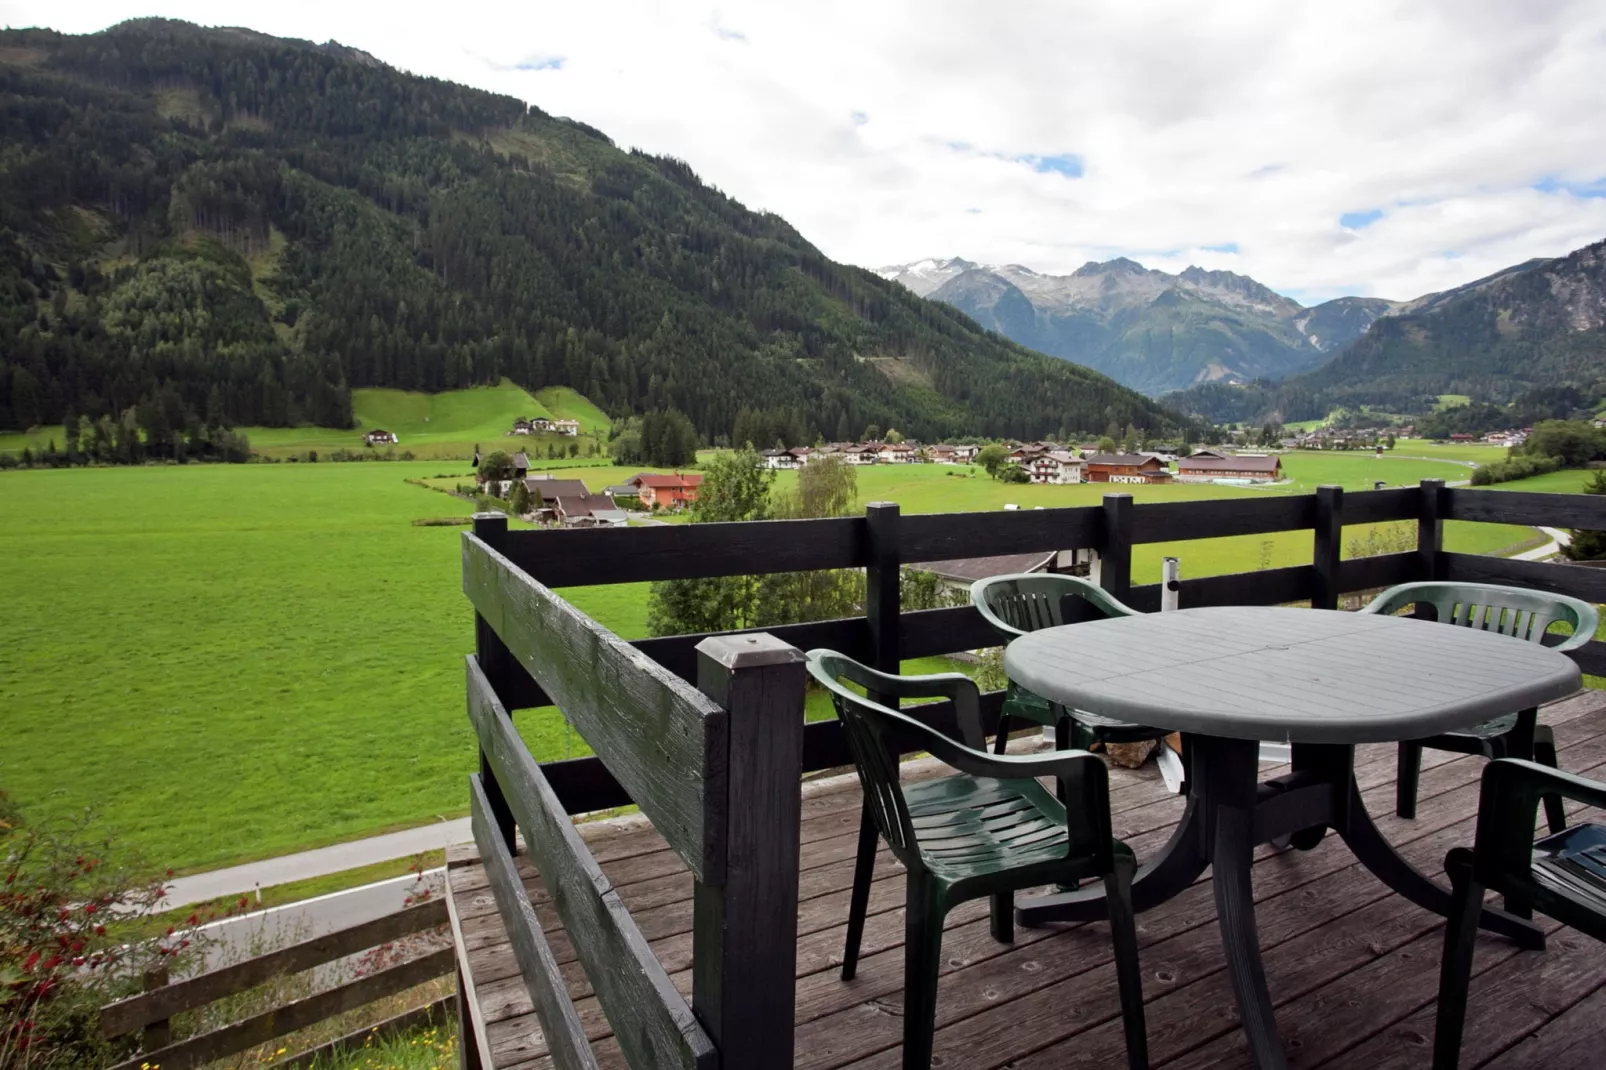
(705, 732)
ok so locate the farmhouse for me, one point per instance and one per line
(667, 491)
(531, 426)
(966, 454)
(898, 453)
(959, 574)
(1204, 466)
(1125, 468)
(379, 436)
(1058, 466)
(566, 427)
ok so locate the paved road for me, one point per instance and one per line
(1558, 539)
(243, 880)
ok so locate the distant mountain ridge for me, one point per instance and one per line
(1538, 324)
(1147, 329)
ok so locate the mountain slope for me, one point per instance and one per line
(1148, 329)
(1537, 324)
(221, 225)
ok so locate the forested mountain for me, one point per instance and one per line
(1538, 325)
(1148, 329)
(220, 225)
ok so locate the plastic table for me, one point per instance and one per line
(1231, 677)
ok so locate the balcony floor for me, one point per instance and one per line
(1352, 967)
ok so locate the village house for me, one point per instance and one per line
(1124, 468)
(378, 437)
(667, 491)
(531, 426)
(965, 454)
(566, 427)
(1206, 465)
(867, 453)
(1057, 466)
(1459, 437)
(940, 455)
(898, 453)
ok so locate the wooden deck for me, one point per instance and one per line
(1353, 969)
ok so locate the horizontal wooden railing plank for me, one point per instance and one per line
(1375, 506)
(926, 632)
(945, 536)
(1382, 570)
(1218, 517)
(281, 1021)
(1586, 511)
(678, 653)
(560, 1023)
(650, 1018)
(584, 785)
(127, 1015)
(1267, 587)
(1576, 580)
(582, 557)
(1591, 657)
(661, 738)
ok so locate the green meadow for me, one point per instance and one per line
(230, 662)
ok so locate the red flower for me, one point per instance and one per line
(28, 966)
(90, 908)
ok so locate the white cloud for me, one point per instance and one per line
(1255, 125)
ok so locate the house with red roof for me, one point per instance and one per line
(674, 491)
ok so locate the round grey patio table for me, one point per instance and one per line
(1230, 677)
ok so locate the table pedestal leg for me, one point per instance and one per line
(1379, 856)
(1233, 854)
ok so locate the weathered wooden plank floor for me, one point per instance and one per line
(1352, 967)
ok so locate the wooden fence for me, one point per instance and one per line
(151, 1011)
(705, 732)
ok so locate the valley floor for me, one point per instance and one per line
(235, 662)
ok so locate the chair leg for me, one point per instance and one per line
(1129, 975)
(1455, 968)
(922, 956)
(1407, 776)
(1545, 754)
(1003, 734)
(859, 903)
(1003, 917)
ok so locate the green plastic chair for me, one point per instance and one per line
(1513, 611)
(989, 830)
(1026, 602)
(1551, 877)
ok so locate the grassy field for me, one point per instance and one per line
(230, 662)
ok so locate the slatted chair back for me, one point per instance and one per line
(867, 725)
(1027, 602)
(1513, 611)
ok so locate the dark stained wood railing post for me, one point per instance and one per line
(744, 931)
(1430, 531)
(158, 1034)
(882, 597)
(1328, 546)
(1115, 553)
(497, 663)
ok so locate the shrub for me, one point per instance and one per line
(1520, 466)
(59, 962)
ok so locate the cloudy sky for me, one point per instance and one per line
(1324, 148)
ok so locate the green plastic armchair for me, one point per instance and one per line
(1562, 876)
(1521, 614)
(989, 830)
(1027, 602)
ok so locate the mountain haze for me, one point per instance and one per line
(217, 224)
(1151, 330)
(1539, 324)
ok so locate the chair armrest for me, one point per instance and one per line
(1579, 637)
(1392, 600)
(957, 686)
(1508, 806)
